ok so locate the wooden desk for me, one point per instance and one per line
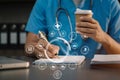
(82, 72)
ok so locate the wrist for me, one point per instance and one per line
(105, 38)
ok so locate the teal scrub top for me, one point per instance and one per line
(42, 18)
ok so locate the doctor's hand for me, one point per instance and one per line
(42, 46)
(37, 47)
(90, 27)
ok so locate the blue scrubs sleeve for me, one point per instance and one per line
(114, 26)
(37, 20)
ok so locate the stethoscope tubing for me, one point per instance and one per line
(69, 20)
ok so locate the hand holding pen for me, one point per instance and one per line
(43, 44)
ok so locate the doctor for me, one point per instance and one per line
(103, 29)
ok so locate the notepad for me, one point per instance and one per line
(67, 60)
(106, 58)
(112, 61)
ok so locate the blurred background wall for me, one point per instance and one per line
(13, 17)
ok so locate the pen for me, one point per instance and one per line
(42, 35)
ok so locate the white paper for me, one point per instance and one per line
(68, 59)
(106, 58)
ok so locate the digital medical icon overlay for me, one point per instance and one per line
(29, 49)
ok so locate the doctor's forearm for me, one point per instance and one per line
(110, 45)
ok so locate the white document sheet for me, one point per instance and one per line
(68, 59)
(106, 58)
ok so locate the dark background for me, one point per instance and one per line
(15, 11)
(13, 17)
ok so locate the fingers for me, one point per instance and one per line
(87, 34)
(51, 48)
(36, 46)
(85, 25)
(89, 27)
(88, 19)
(85, 30)
(43, 42)
(40, 52)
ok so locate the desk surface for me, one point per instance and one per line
(82, 72)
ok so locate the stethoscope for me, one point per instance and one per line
(69, 20)
(84, 49)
